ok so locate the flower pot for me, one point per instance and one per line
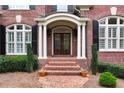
(42, 73)
(84, 73)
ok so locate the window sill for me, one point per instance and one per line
(111, 50)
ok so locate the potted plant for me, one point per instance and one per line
(42, 72)
(84, 73)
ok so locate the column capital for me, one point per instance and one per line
(83, 23)
(41, 24)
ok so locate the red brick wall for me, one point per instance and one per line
(97, 12)
(8, 16)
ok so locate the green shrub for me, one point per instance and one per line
(16, 58)
(15, 63)
(103, 67)
(115, 69)
(94, 59)
(31, 61)
(12, 63)
(107, 79)
(2, 58)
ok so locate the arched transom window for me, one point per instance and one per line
(111, 34)
(17, 37)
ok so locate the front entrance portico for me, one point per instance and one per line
(64, 45)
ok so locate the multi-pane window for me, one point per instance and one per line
(18, 36)
(18, 7)
(111, 34)
(62, 8)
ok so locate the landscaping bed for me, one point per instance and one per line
(15, 63)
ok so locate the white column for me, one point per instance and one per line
(44, 41)
(83, 42)
(40, 49)
(79, 41)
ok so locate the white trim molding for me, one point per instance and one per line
(16, 39)
(79, 21)
(111, 34)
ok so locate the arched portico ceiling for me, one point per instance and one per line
(61, 16)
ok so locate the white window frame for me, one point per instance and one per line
(62, 8)
(23, 30)
(19, 7)
(106, 25)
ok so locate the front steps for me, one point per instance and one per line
(62, 67)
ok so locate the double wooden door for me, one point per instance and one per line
(62, 43)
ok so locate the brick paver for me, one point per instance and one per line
(63, 81)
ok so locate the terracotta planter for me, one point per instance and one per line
(84, 73)
(42, 73)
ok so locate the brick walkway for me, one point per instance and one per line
(63, 81)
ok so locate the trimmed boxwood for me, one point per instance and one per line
(107, 79)
(115, 69)
(94, 63)
(14, 63)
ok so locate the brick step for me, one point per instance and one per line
(61, 72)
(62, 63)
(49, 67)
(62, 59)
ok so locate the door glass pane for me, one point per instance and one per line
(66, 43)
(57, 43)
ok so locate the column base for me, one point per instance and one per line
(42, 57)
(81, 57)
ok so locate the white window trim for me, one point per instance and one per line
(23, 36)
(106, 25)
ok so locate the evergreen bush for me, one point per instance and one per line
(94, 61)
(107, 79)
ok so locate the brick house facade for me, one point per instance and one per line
(63, 31)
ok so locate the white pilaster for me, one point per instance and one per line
(83, 41)
(79, 41)
(40, 49)
(44, 41)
